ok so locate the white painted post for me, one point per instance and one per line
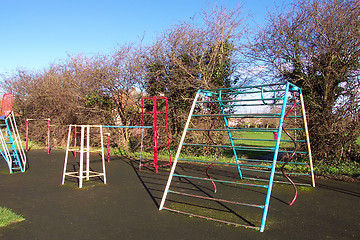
(178, 152)
(66, 155)
(81, 168)
(307, 139)
(102, 154)
(87, 153)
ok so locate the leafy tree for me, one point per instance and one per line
(188, 57)
(315, 44)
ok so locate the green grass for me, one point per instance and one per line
(7, 217)
(257, 139)
(336, 168)
(33, 145)
(304, 188)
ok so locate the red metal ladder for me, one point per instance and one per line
(158, 124)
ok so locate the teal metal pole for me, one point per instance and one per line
(271, 180)
(230, 136)
(13, 147)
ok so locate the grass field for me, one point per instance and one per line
(260, 139)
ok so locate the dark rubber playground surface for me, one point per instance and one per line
(127, 207)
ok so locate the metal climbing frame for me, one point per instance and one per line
(11, 146)
(248, 123)
(159, 118)
(84, 171)
(124, 127)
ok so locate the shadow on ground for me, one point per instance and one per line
(127, 207)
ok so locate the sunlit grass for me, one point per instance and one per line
(7, 217)
(260, 139)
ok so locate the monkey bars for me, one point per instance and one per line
(236, 121)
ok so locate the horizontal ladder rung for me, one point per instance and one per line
(270, 149)
(234, 129)
(274, 115)
(242, 100)
(241, 148)
(217, 199)
(243, 160)
(293, 173)
(212, 219)
(234, 164)
(269, 140)
(270, 161)
(250, 105)
(277, 181)
(221, 181)
(153, 112)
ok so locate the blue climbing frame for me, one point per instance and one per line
(11, 147)
(238, 108)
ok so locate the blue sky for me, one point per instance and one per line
(36, 33)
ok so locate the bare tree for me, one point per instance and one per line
(68, 93)
(120, 79)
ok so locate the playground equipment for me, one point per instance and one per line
(128, 127)
(158, 116)
(260, 154)
(159, 124)
(108, 145)
(48, 132)
(84, 171)
(12, 150)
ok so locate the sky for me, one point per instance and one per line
(37, 33)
